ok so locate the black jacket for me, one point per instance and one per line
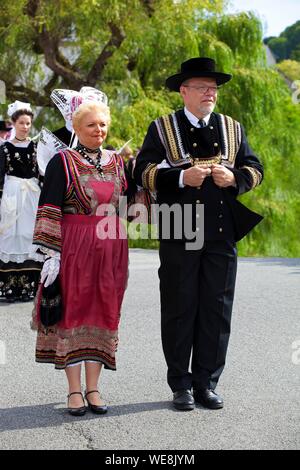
(225, 218)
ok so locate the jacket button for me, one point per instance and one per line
(198, 201)
(211, 127)
(220, 216)
(221, 202)
(192, 129)
(194, 144)
(216, 144)
(220, 229)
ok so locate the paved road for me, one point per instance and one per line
(260, 384)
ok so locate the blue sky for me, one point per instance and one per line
(276, 15)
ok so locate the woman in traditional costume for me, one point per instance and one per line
(92, 262)
(20, 265)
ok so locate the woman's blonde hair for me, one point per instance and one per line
(89, 107)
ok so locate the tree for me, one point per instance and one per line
(128, 48)
(279, 47)
(71, 43)
(290, 68)
(287, 45)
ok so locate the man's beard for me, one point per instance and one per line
(206, 109)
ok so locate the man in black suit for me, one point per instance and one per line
(197, 158)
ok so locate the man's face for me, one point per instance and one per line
(199, 95)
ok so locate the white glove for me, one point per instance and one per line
(50, 271)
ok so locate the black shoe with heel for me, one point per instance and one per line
(99, 410)
(76, 411)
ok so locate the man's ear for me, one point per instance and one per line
(182, 90)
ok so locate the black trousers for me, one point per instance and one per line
(197, 290)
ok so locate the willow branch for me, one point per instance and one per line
(115, 41)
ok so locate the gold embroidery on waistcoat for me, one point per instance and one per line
(169, 133)
(172, 139)
(231, 138)
(232, 141)
(207, 160)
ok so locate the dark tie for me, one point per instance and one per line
(201, 123)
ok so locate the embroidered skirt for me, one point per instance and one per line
(19, 281)
(93, 276)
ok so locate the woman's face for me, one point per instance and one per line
(22, 126)
(92, 129)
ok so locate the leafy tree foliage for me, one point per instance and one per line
(71, 43)
(290, 68)
(128, 48)
(287, 45)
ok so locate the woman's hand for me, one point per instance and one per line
(50, 271)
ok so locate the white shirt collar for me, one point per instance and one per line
(193, 119)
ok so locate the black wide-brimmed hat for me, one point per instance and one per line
(197, 67)
(4, 126)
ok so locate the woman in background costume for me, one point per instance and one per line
(20, 265)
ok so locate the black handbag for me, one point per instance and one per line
(51, 304)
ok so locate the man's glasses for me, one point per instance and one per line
(204, 89)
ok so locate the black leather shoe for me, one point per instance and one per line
(99, 410)
(76, 411)
(183, 400)
(208, 398)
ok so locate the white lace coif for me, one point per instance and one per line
(68, 101)
(16, 106)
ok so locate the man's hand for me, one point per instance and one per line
(222, 176)
(195, 175)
